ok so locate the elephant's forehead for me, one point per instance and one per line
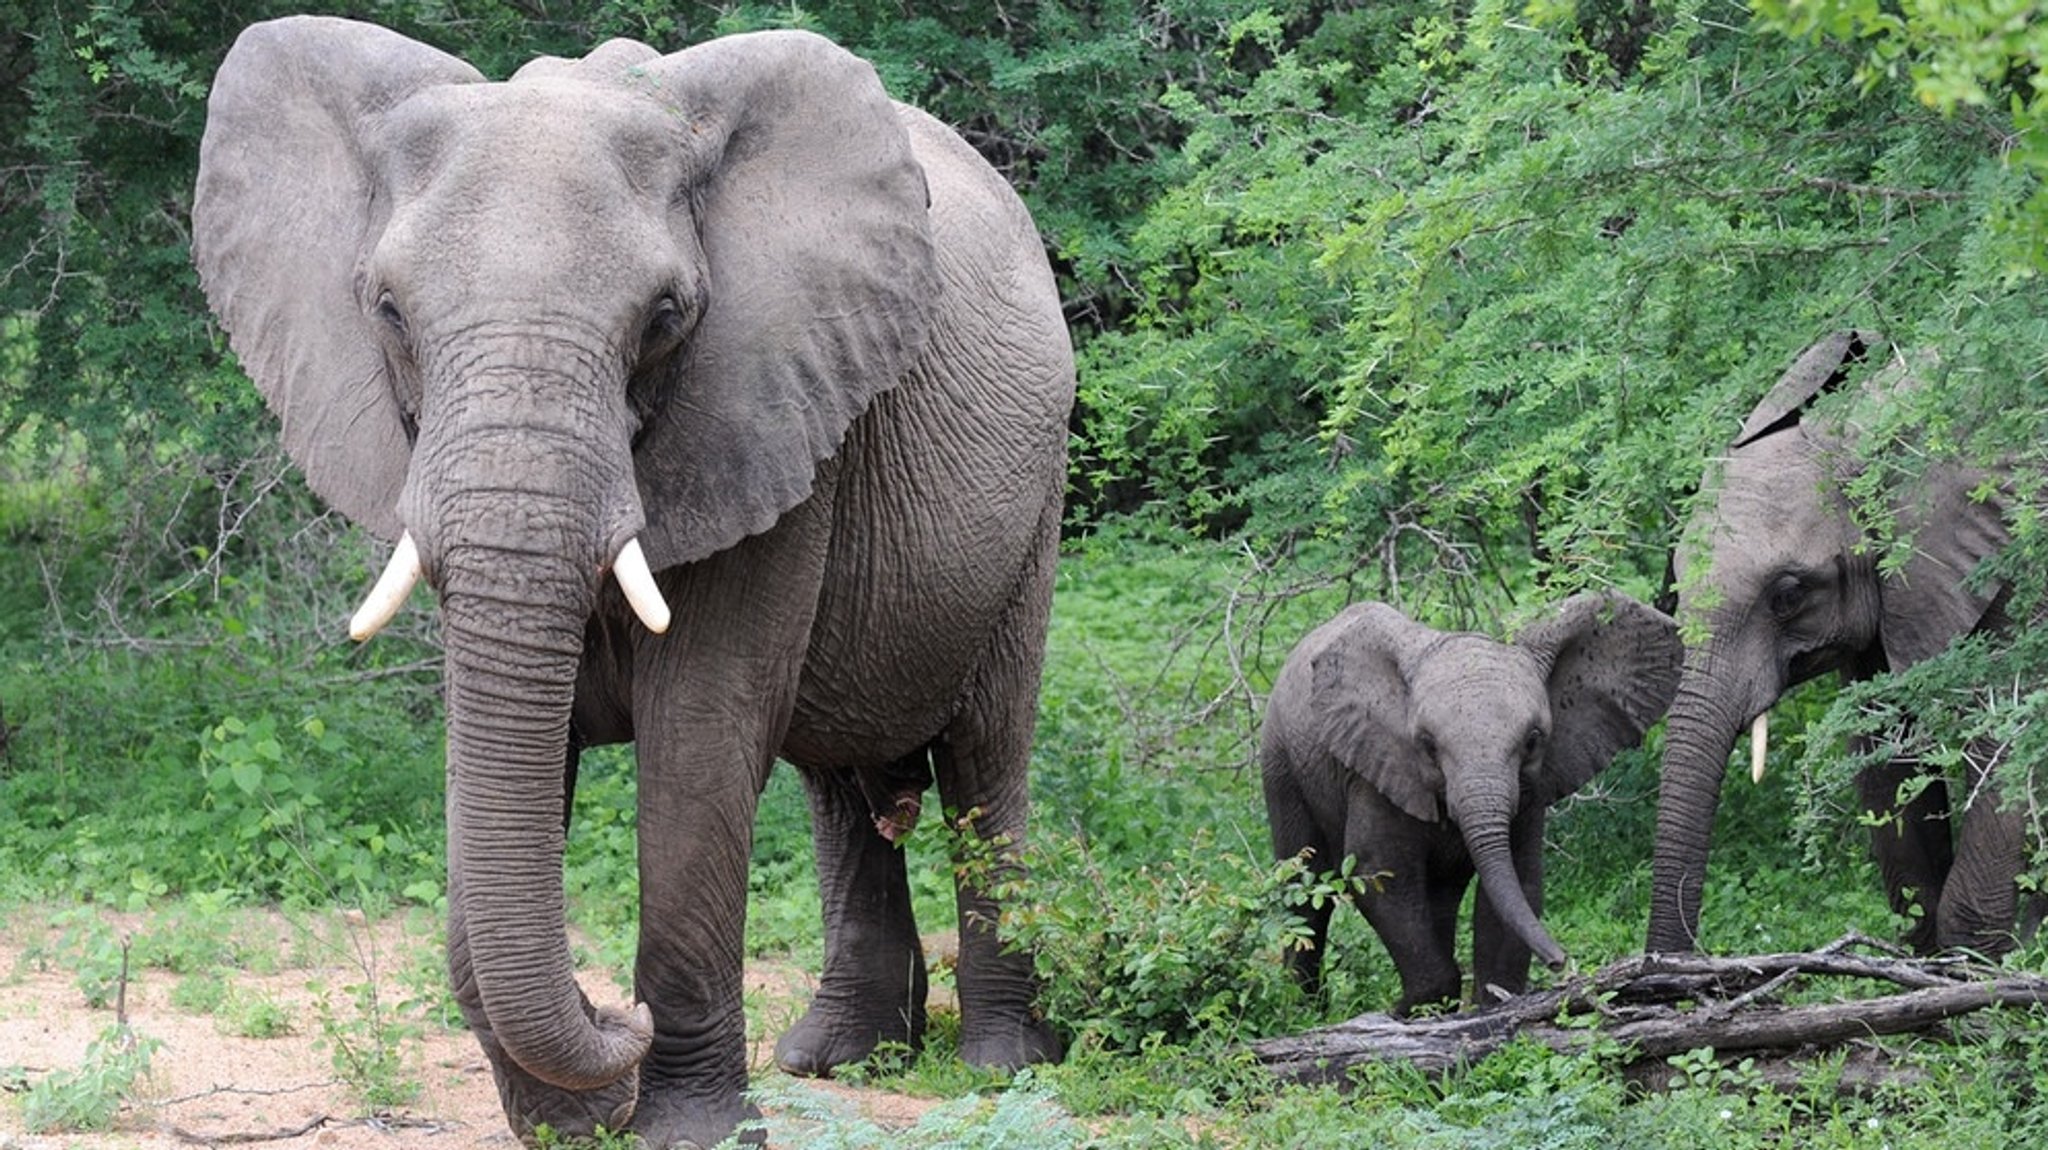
(549, 128)
(1769, 501)
(1473, 670)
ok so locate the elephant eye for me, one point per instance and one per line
(667, 324)
(1786, 595)
(1532, 745)
(388, 314)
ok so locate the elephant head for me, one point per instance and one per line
(1461, 726)
(609, 314)
(1793, 589)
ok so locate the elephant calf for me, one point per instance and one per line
(1426, 756)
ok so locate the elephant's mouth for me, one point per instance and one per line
(405, 570)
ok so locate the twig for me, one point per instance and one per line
(240, 1138)
(252, 1091)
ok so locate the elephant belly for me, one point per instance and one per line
(933, 547)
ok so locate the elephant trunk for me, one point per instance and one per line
(511, 673)
(1485, 826)
(1699, 734)
(516, 512)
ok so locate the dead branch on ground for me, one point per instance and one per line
(1654, 1006)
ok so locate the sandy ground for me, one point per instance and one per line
(212, 1086)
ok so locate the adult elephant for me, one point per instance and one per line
(782, 356)
(1791, 590)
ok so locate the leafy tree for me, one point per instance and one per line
(1984, 62)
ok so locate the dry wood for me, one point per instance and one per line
(1659, 1005)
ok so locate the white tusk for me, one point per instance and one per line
(1759, 740)
(630, 569)
(391, 590)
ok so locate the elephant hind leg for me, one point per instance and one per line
(873, 987)
(1296, 834)
(982, 758)
(1980, 906)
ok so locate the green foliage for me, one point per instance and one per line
(1186, 947)
(1969, 712)
(371, 1043)
(545, 1138)
(255, 1016)
(270, 793)
(1488, 294)
(89, 1096)
(1981, 62)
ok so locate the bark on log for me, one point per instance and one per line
(1659, 1005)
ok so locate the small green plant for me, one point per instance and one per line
(256, 1016)
(88, 946)
(545, 1138)
(367, 1042)
(89, 1097)
(201, 992)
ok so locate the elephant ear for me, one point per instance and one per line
(1360, 701)
(1932, 600)
(1819, 370)
(284, 210)
(812, 214)
(1611, 665)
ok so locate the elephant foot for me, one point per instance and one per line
(673, 1120)
(1432, 995)
(1010, 1044)
(830, 1035)
(531, 1104)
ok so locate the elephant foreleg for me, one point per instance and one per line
(873, 987)
(1400, 898)
(1911, 842)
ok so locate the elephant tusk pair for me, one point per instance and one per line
(1759, 741)
(403, 572)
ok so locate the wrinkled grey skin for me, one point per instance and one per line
(1427, 756)
(799, 341)
(1790, 592)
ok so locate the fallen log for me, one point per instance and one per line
(1657, 1005)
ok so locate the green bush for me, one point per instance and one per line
(1183, 948)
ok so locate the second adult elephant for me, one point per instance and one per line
(783, 357)
(1790, 590)
(1428, 756)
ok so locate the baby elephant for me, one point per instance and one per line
(1426, 755)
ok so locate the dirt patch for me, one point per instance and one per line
(245, 1042)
